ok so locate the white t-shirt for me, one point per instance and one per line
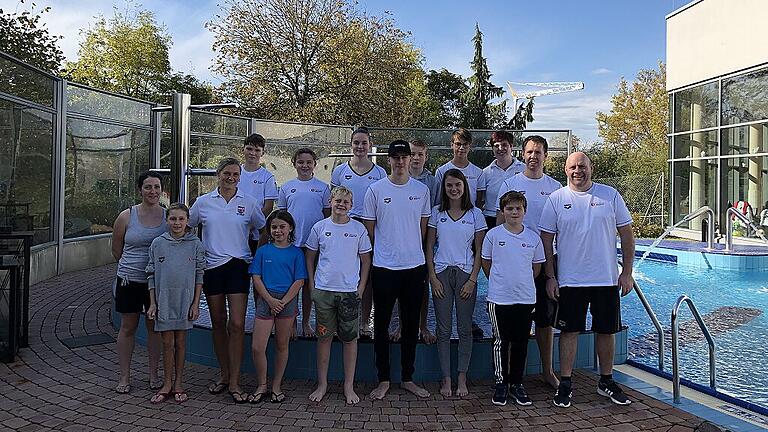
(226, 225)
(340, 246)
(475, 178)
(585, 224)
(494, 177)
(536, 192)
(512, 257)
(455, 238)
(259, 184)
(305, 201)
(397, 210)
(344, 175)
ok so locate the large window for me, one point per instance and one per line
(103, 162)
(746, 180)
(694, 187)
(695, 145)
(696, 108)
(26, 154)
(745, 98)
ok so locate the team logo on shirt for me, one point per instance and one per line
(370, 178)
(528, 245)
(241, 210)
(348, 177)
(293, 190)
(545, 193)
(161, 259)
(596, 204)
(315, 190)
(387, 200)
(443, 219)
(327, 233)
(353, 235)
(567, 206)
(414, 197)
(502, 243)
(258, 182)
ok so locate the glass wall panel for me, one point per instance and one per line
(696, 108)
(693, 187)
(744, 139)
(89, 102)
(695, 145)
(25, 82)
(746, 179)
(26, 154)
(103, 162)
(745, 98)
(218, 124)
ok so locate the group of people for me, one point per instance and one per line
(366, 242)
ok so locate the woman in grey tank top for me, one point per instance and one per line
(134, 230)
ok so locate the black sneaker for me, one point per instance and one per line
(563, 395)
(611, 390)
(500, 395)
(517, 391)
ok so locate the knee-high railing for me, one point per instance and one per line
(676, 347)
(710, 214)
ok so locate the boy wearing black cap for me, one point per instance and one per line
(396, 211)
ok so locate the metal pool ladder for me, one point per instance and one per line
(676, 347)
(654, 320)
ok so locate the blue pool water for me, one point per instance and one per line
(742, 355)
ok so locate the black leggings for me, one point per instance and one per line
(511, 326)
(408, 287)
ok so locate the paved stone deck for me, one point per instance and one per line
(52, 387)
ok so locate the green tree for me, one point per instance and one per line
(319, 61)
(478, 112)
(26, 38)
(202, 92)
(636, 126)
(447, 88)
(126, 54)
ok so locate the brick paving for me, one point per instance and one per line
(52, 387)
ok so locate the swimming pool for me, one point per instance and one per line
(741, 336)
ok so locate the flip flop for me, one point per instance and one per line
(181, 397)
(123, 388)
(277, 397)
(217, 387)
(239, 397)
(257, 397)
(159, 398)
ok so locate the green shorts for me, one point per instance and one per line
(336, 312)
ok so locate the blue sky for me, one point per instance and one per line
(594, 41)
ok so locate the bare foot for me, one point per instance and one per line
(319, 393)
(413, 388)
(461, 389)
(380, 391)
(307, 330)
(427, 336)
(551, 379)
(349, 393)
(395, 335)
(445, 387)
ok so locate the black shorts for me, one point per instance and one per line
(603, 303)
(229, 278)
(546, 308)
(131, 297)
(490, 221)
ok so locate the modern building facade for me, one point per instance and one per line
(717, 79)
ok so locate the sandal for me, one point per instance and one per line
(123, 388)
(159, 398)
(181, 397)
(239, 397)
(217, 387)
(257, 397)
(277, 397)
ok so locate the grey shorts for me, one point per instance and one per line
(263, 311)
(337, 312)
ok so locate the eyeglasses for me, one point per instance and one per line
(461, 144)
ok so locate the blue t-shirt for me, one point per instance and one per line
(278, 267)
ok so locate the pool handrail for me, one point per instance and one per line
(729, 216)
(710, 223)
(654, 320)
(676, 348)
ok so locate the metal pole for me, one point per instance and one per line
(60, 169)
(675, 353)
(180, 124)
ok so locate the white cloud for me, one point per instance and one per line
(601, 71)
(571, 111)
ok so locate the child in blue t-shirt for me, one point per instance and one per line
(278, 271)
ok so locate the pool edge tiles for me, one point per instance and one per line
(695, 254)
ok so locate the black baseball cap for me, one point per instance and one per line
(399, 148)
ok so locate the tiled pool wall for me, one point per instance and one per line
(692, 254)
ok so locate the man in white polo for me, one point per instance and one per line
(585, 216)
(396, 211)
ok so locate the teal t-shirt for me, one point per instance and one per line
(278, 267)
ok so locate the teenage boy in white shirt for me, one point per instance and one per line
(503, 166)
(537, 186)
(585, 216)
(256, 180)
(461, 142)
(396, 215)
(511, 258)
(337, 287)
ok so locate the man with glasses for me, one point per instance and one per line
(461, 142)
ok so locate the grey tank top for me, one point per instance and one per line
(133, 262)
